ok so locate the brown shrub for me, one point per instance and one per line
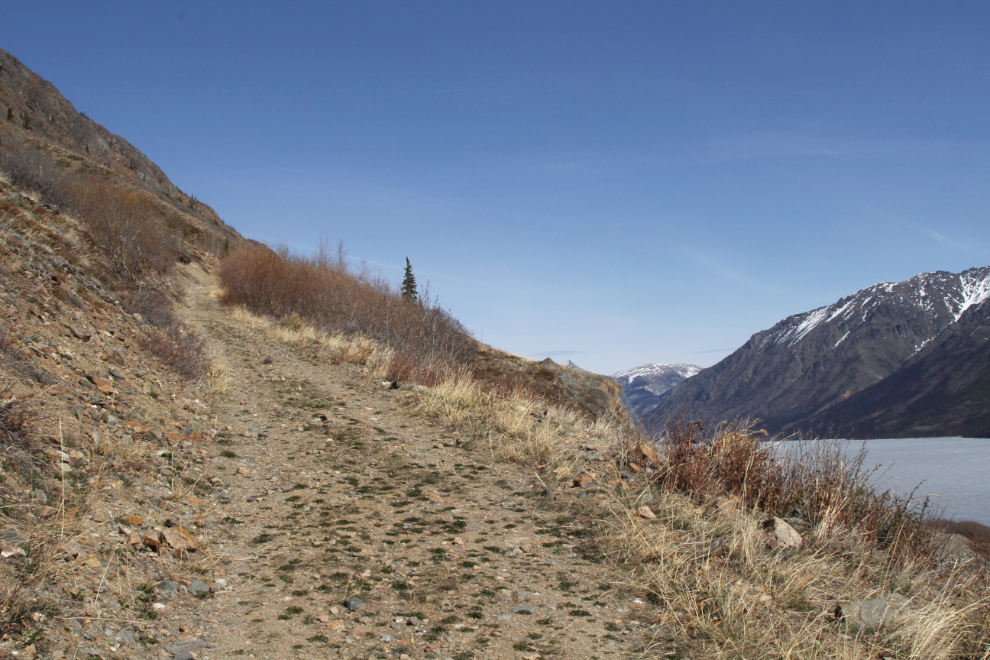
(818, 481)
(428, 341)
(180, 348)
(154, 306)
(125, 225)
(29, 168)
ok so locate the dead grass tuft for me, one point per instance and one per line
(814, 480)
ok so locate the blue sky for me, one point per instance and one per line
(613, 183)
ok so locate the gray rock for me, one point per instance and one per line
(184, 654)
(189, 646)
(504, 617)
(525, 610)
(197, 587)
(869, 612)
(353, 604)
(167, 587)
(10, 537)
(126, 636)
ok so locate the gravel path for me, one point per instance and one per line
(334, 493)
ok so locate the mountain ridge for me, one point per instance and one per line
(787, 375)
(643, 387)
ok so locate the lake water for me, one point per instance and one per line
(955, 471)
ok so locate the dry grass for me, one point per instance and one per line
(518, 425)
(829, 489)
(335, 348)
(723, 594)
(719, 590)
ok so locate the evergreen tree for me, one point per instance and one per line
(409, 284)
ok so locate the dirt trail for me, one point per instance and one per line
(451, 554)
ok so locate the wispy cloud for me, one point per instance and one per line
(955, 245)
(717, 266)
(796, 144)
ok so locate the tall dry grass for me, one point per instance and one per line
(518, 425)
(719, 591)
(335, 348)
(819, 482)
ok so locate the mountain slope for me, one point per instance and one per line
(36, 118)
(943, 390)
(808, 362)
(644, 386)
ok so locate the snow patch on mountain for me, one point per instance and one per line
(644, 386)
(681, 369)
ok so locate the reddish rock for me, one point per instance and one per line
(179, 539)
(646, 512)
(646, 454)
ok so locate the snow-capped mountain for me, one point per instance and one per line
(803, 365)
(942, 390)
(644, 386)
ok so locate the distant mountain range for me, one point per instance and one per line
(893, 360)
(644, 386)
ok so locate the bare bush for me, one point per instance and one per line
(427, 340)
(154, 306)
(29, 168)
(180, 348)
(830, 489)
(125, 225)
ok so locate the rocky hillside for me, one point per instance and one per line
(37, 120)
(790, 375)
(644, 386)
(943, 390)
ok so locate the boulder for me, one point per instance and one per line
(782, 536)
(866, 613)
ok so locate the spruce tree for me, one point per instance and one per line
(409, 284)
